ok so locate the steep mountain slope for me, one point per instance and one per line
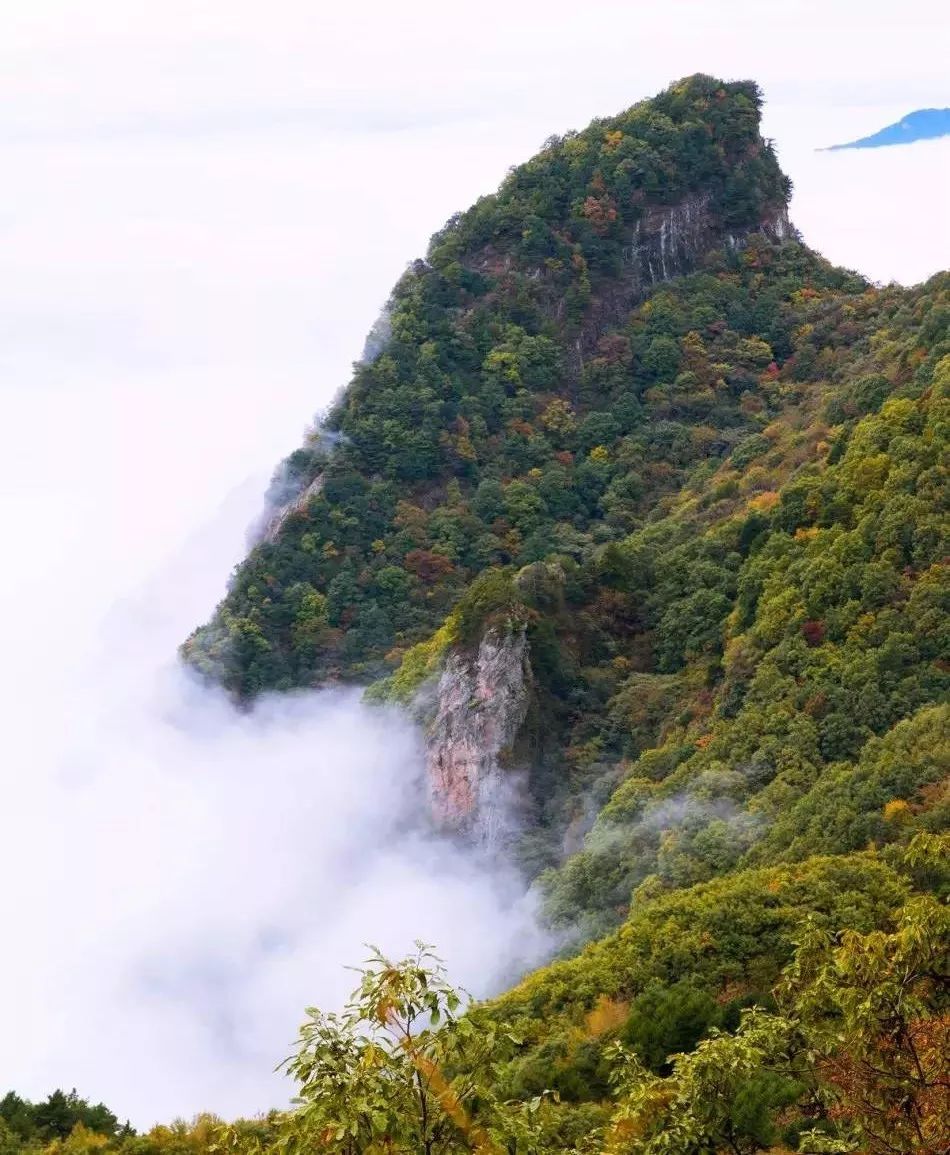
(506, 355)
(566, 431)
(641, 506)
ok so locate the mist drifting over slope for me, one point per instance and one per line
(184, 878)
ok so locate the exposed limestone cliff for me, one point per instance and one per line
(667, 242)
(481, 703)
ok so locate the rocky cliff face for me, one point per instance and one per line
(481, 702)
(667, 242)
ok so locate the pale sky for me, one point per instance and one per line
(203, 207)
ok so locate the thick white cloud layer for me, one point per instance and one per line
(181, 879)
(203, 207)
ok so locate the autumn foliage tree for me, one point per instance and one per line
(402, 1069)
(856, 1054)
(874, 1011)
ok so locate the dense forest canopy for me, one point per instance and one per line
(622, 410)
(501, 418)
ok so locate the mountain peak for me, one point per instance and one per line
(924, 124)
(514, 326)
(698, 140)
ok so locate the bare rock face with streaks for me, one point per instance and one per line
(481, 703)
(667, 242)
(670, 241)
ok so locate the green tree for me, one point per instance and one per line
(874, 1011)
(401, 1070)
(717, 1098)
(10, 1142)
(860, 1043)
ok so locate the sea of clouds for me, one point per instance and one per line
(182, 878)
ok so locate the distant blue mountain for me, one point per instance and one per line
(924, 124)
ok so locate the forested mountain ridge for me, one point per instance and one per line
(482, 433)
(624, 416)
(652, 499)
